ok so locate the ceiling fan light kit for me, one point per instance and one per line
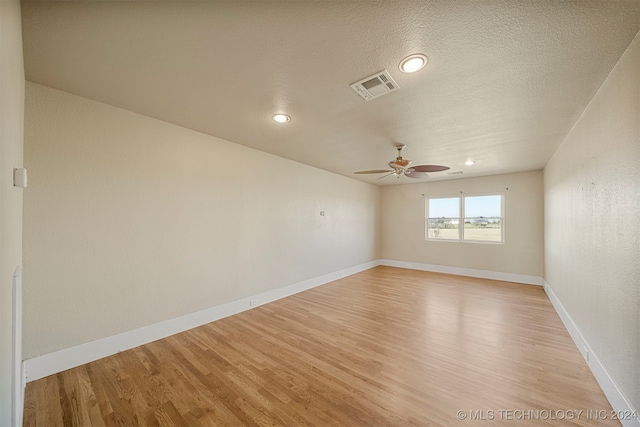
(401, 166)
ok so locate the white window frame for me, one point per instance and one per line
(462, 218)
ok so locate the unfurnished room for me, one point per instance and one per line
(320, 213)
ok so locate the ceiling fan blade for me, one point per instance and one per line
(375, 171)
(416, 174)
(429, 168)
(390, 173)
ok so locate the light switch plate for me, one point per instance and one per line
(20, 177)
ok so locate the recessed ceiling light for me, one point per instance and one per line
(413, 63)
(281, 118)
(469, 162)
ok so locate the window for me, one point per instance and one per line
(467, 218)
(444, 219)
(483, 218)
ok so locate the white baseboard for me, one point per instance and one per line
(616, 397)
(52, 363)
(18, 381)
(470, 272)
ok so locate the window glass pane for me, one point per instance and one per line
(476, 206)
(483, 220)
(483, 229)
(443, 228)
(444, 208)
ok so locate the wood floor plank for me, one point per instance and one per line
(48, 404)
(386, 346)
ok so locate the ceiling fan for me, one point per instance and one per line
(401, 166)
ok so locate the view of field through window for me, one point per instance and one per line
(480, 216)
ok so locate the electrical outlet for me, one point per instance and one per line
(253, 302)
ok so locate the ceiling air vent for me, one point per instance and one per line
(455, 173)
(374, 86)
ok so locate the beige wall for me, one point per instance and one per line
(592, 223)
(11, 132)
(403, 232)
(130, 221)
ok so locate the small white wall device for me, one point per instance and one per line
(20, 177)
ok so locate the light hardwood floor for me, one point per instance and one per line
(383, 347)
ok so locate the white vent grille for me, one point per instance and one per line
(374, 86)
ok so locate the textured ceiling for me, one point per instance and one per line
(505, 82)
